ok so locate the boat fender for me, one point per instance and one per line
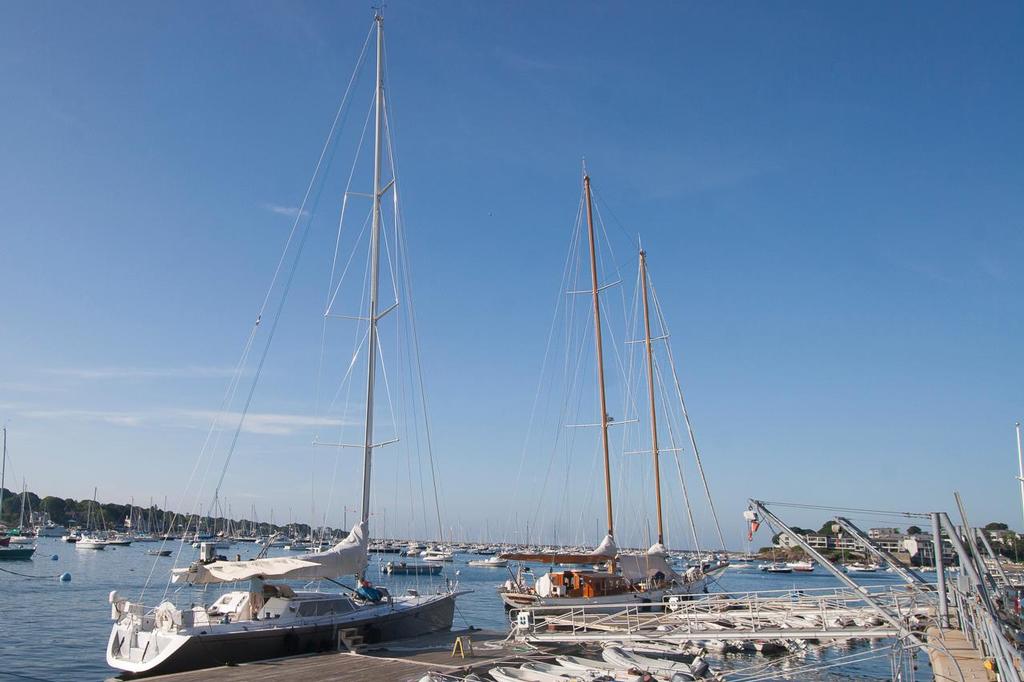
(117, 603)
(54, 557)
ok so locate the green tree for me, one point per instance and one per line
(914, 530)
(995, 525)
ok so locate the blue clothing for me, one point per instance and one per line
(369, 593)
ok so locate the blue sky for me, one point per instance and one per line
(830, 195)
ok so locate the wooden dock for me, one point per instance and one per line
(399, 661)
(953, 657)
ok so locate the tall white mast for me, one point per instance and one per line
(3, 473)
(371, 355)
(1020, 466)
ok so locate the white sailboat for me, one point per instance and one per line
(6, 551)
(90, 538)
(269, 618)
(26, 534)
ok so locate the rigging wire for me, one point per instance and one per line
(855, 510)
(686, 416)
(295, 230)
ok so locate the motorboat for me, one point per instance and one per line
(403, 568)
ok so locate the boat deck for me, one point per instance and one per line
(400, 661)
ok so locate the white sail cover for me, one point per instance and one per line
(607, 548)
(637, 567)
(348, 557)
(658, 548)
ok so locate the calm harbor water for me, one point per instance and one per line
(58, 631)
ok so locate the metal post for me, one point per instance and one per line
(940, 571)
(1020, 467)
(992, 555)
(988, 609)
(971, 538)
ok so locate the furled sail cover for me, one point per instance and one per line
(607, 547)
(348, 557)
(604, 552)
(637, 567)
(658, 548)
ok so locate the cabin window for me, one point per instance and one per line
(325, 607)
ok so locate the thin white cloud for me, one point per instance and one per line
(113, 373)
(290, 211)
(266, 423)
(26, 387)
(108, 417)
(261, 422)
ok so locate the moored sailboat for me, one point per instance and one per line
(626, 578)
(270, 618)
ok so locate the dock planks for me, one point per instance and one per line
(953, 657)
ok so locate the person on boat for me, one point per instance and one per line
(368, 592)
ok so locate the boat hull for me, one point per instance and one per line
(616, 602)
(184, 652)
(16, 553)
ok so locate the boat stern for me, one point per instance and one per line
(142, 643)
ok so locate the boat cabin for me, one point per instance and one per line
(585, 584)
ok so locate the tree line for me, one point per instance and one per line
(67, 511)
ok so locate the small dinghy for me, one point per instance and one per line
(580, 663)
(159, 552)
(561, 673)
(519, 675)
(628, 659)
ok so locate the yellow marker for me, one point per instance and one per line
(460, 646)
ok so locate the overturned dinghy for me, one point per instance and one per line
(507, 674)
(627, 659)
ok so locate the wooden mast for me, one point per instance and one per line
(650, 395)
(599, 350)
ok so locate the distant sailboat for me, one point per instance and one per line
(8, 553)
(91, 539)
